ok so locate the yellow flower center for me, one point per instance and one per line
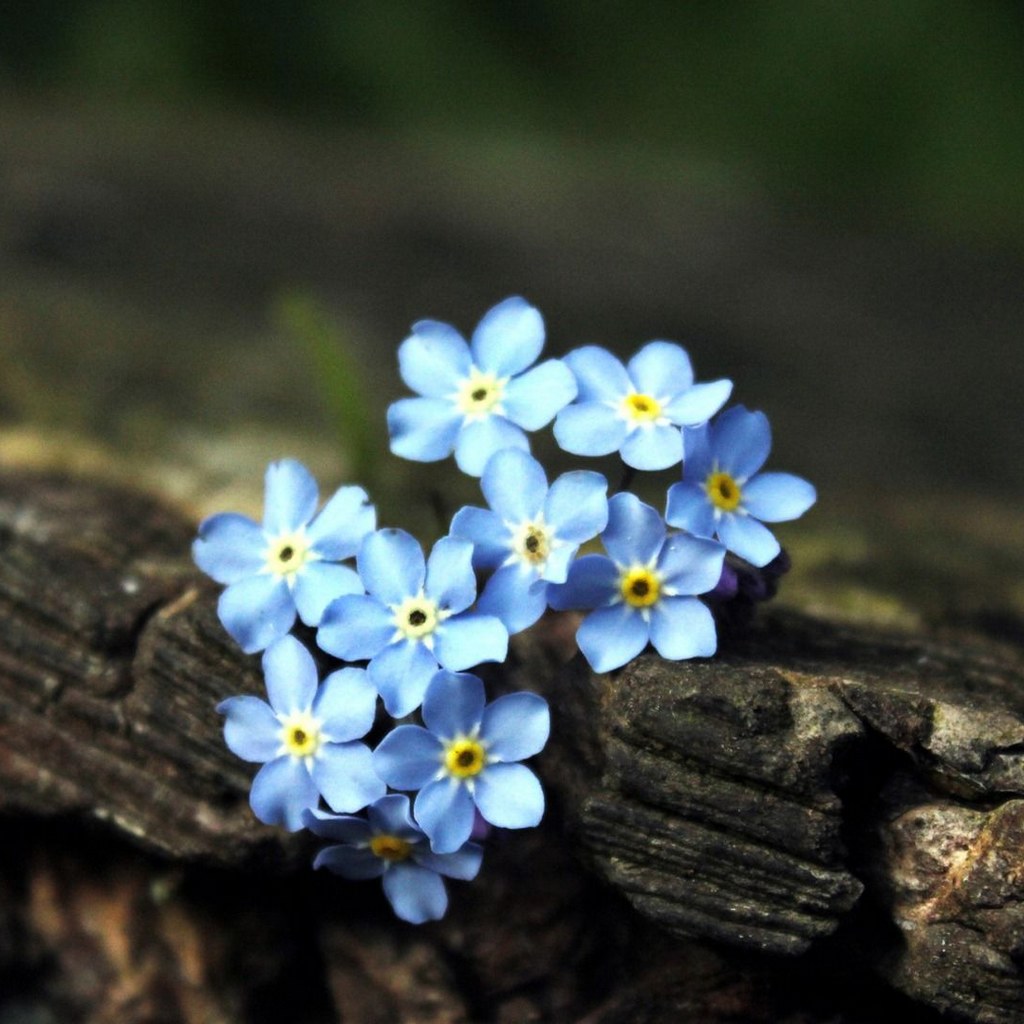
(640, 587)
(300, 734)
(464, 757)
(642, 408)
(287, 554)
(417, 617)
(480, 393)
(531, 542)
(390, 847)
(723, 491)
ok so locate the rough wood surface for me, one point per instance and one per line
(848, 800)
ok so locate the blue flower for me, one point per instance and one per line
(637, 409)
(390, 844)
(305, 737)
(466, 757)
(476, 398)
(643, 591)
(413, 618)
(531, 533)
(290, 563)
(723, 495)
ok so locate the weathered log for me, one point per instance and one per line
(813, 788)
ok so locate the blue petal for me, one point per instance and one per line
(257, 611)
(689, 508)
(408, 757)
(470, 639)
(509, 595)
(509, 796)
(392, 815)
(593, 582)
(341, 524)
(514, 485)
(318, 584)
(453, 705)
(355, 628)
(463, 864)
(401, 673)
(291, 676)
(590, 428)
(698, 458)
(451, 581)
(479, 440)
(655, 447)
(251, 730)
(229, 547)
(661, 368)
(777, 497)
(699, 403)
(281, 791)
(609, 637)
(741, 441)
(556, 567)
(682, 627)
(490, 537)
(342, 828)
(599, 375)
(690, 565)
(635, 531)
(747, 538)
(444, 810)
(344, 774)
(290, 497)
(533, 399)
(577, 505)
(516, 726)
(346, 704)
(416, 894)
(351, 863)
(392, 566)
(433, 359)
(423, 429)
(508, 338)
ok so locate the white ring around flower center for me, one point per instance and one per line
(287, 554)
(480, 394)
(532, 542)
(417, 617)
(300, 734)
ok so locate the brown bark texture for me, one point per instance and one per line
(823, 823)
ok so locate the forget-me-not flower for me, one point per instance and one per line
(722, 494)
(531, 532)
(476, 398)
(414, 617)
(642, 590)
(306, 737)
(466, 757)
(289, 564)
(637, 409)
(388, 844)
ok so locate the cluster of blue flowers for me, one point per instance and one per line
(407, 627)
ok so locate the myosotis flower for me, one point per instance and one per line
(306, 737)
(478, 398)
(723, 495)
(414, 617)
(290, 563)
(388, 844)
(637, 409)
(642, 590)
(531, 532)
(467, 757)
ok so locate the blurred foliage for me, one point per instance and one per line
(338, 377)
(914, 105)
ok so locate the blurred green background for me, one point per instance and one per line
(915, 106)
(218, 219)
